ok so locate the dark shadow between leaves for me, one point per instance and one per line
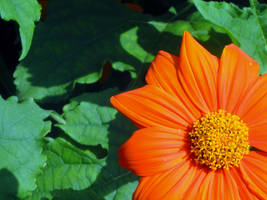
(9, 55)
(98, 41)
(57, 60)
(8, 185)
(98, 150)
(61, 55)
(216, 42)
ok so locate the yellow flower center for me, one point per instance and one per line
(219, 140)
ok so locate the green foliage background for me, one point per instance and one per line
(59, 135)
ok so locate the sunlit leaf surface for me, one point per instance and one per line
(247, 27)
(21, 139)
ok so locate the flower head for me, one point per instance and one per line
(203, 126)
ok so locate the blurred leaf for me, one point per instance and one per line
(73, 171)
(79, 37)
(134, 7)
(247, 27)
(22, 130)
(25, 13)
(43, 3)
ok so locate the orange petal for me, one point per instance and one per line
(258, 137)
(230, 186)
(194, 189)
(218, 185)
(150, 106)
(152, 150)
(253, 110)
(254, 103)
(243, 190)
(223, 186)
(254, 172)
(187, 181)
(163, 74)
(160, 186)
(185, 185)
(197, 73)
(237, 71)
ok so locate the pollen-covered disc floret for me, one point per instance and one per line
(219, 140)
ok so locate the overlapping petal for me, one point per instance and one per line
(218, 185)
(254, 172)
(160, 186)
(224, 187)
(253, 107)
(243, 190)
(153, 150)
(187, 181)
(197, 73)
(204, 191)
(237, 72)
(151, 106)
(194, 189)
(253, 110)
(258, 137)
(162, 73)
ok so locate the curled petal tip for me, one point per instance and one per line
(113, 101)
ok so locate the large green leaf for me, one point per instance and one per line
(25, 13)
(78, 37)
(247, 27)
(67, 167)
(21, 133)
(72, 170)
(86, 122)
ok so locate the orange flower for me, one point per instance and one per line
(203, 126)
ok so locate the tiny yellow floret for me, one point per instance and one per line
(219, 140)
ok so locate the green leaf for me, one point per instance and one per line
(21, 133)
(25, 13)
(67, 167)
(247, 27)
(86, 122)
(75, 41)
(73, 171)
